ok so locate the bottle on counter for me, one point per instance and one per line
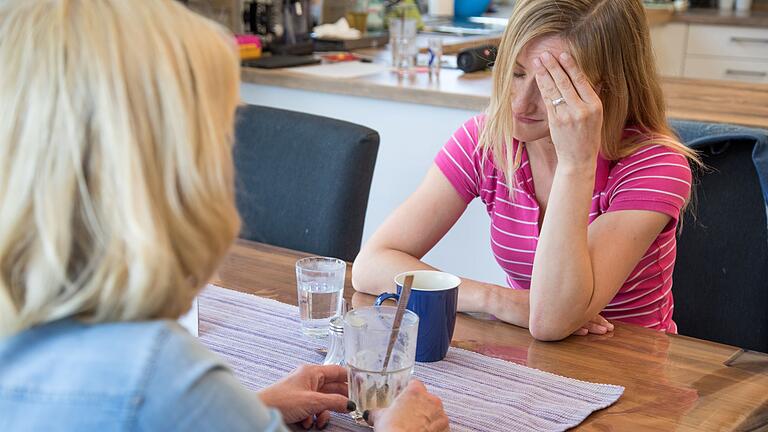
(404, 9)
(376, 16)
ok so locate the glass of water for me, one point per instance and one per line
(320, 284)
(402, 42)
(367, 332)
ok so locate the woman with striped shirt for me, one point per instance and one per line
(582, 178)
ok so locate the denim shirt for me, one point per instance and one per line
(142, 376)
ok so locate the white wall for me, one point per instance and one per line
(411, 135)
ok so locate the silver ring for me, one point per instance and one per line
(558, 101)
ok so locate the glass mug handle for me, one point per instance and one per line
(386, 296)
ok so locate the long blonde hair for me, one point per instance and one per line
(116, 178)
(610, 41)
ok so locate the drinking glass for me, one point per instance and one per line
(366, 338)
(357, 15)
(435, 52)
(320, 286)
(402, 42)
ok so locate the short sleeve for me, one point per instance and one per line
(655, 178)
(190, 388)
(459, 162)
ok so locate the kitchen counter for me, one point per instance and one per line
(755, 18)
(704, 100)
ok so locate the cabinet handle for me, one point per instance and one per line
(746, 73)
(748, 40)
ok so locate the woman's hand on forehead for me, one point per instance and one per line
(574, 109)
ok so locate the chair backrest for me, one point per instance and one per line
(721, 273)
(302, 181)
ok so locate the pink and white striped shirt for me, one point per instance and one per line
(654, 178)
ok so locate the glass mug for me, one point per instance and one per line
(367, 333)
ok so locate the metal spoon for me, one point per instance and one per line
(405, 293)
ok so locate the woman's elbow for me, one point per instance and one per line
(547, 329)
(361, 274)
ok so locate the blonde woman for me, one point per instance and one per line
(116, 205)
(581, 176)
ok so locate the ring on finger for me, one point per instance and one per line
(558, 101)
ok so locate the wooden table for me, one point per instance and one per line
(672, 382)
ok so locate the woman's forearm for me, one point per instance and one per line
(562, 281)
(373, 273)
(374, 270)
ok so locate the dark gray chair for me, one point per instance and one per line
(302, 181)
(721, 274)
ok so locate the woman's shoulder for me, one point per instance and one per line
(468, 134)
(114, 361)
(652, 150)
(656, 170)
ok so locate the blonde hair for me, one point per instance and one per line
(116, 178)
(609, 39)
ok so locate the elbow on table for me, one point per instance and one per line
(547, 328)
(361, 273)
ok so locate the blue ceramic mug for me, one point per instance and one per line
(434, 296)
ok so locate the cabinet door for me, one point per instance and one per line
(669, 47)
(728, 41)
(726, 69)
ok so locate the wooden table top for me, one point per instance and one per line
(672, 382)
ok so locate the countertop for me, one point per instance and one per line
(755, 18)
(704, 100)
(692, 99)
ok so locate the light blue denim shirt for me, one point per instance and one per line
(145, 376)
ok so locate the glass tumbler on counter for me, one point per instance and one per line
(366, 337)
(320, 286)
(357, 15)
(402, 42)
(435, 53)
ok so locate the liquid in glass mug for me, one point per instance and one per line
(320, 286)
(367, 332)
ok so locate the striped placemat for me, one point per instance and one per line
(261, 340)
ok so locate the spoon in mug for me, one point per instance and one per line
(405, 293)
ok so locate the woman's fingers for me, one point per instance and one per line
(337, 388)
(547, 87)
(335, 402)
(603, 322)
(333, 374)
(579, 79)
(581, 332)
(560, 79)
(596, 328)
(308, 422)
(322, 419)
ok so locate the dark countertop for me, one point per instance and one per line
(715, 17)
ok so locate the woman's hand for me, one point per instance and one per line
(597, 325)
(415, 409)
(575, 126)
(307, 392)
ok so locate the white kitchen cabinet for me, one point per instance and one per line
(728, 41)
(726, 69)
(669, 47)
(711, 51)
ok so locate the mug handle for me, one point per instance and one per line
(384, 297)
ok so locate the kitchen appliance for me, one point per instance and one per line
(284, 25)
(476, 59)
(703, 3)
